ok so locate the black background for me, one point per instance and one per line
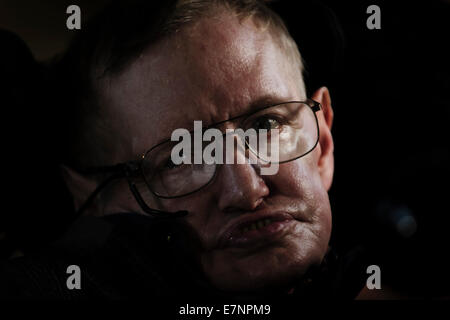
(390, 91)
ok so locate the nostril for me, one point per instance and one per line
(245, 205)
(258, 203)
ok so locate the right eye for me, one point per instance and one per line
(266, 123)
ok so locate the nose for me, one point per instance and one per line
(240, 188)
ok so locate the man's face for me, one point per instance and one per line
(212, 71)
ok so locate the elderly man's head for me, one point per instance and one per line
(210, 61)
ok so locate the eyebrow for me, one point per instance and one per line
(260, 103)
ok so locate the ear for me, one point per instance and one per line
(326, 145)
(79, 186)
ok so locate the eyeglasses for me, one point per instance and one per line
(156, 175)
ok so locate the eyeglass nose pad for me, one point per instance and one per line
(244, 147)
(263, 149)
(254, 159)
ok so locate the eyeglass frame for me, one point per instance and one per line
(129, 169)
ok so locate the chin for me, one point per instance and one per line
(274, 266)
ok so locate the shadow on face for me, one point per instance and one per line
(256, 231)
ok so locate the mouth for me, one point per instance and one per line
(257, 230)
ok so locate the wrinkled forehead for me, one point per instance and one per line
(219, 68)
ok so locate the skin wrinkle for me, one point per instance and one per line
(151, 65)
(212, 72)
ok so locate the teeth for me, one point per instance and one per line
(257, 225)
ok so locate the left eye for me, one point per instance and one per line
(266, 123)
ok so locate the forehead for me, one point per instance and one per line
(219, 68)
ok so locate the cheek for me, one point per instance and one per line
(299, 185)
(301, 182)
(299, 179)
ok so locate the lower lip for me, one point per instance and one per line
(260, 237)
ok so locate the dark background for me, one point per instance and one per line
(390, 90)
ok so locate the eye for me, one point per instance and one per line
(266, 123)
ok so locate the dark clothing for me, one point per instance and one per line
(130, 256)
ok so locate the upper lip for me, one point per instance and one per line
(236, 225)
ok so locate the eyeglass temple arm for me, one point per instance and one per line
(126, 170)
(95, 193)
(315, 106)
(129, 169)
